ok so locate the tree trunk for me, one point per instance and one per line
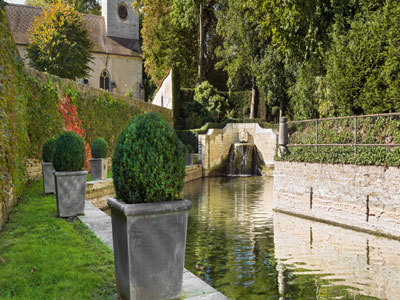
(201, 42)
(255, 99)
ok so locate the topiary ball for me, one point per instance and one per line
(99, 148)
(69, 153)
(48, 150)
(149, 161)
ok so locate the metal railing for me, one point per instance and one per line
(284, 138)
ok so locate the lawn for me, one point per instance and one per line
(45, 257)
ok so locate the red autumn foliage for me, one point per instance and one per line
(74, 124)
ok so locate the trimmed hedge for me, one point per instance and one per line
(99, 148)
(149, 161)
(69, 153)
(48, 150)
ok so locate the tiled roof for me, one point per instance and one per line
(21, 17)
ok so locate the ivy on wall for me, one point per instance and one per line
(101, 114)
(13, 138)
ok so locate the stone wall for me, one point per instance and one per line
(214, 145)
(98, 191)
(193, 172)
(365, 198)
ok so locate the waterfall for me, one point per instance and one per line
(243, 160)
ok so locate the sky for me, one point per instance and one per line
(16, 1)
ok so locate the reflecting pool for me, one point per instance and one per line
(237, 244)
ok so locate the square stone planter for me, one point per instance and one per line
(48, 178)
(98, 168)
(70, 193)
(149, 242)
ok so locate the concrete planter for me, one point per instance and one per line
(98, 168)
(149, 242)
(48, 178)
(70, 193)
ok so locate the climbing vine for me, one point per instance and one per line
(74, 124)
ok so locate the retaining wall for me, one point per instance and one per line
(365, 198)
(215, 144)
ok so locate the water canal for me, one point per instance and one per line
(237, 244)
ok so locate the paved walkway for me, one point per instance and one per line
(193, 288)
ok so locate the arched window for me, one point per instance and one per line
(105, 80)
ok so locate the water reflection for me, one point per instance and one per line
(241, 247)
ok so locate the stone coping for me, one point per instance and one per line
(140, 209)
(71, 173)
(193, 288)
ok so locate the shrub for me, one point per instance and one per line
(99, 148)
(48, 150)
(69, 153)
(208, 96)
(149, 161)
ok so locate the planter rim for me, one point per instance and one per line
(46, 163)
(90, 159)
(70, 173)
(138, 209)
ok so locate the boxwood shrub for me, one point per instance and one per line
(99, 148)
(48, 150)
(69, 153)
(149, 161)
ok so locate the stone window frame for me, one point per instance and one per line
(105, 80)
(122, 4)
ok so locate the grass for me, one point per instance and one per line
(45, 257)
(89, 176)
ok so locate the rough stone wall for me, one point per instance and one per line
(34, 168)
(215, 144)
(363, 197)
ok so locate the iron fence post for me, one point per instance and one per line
(355, 136)
(316, 135)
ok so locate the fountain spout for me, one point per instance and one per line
(243, 160)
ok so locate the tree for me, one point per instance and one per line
(83, 6)
(166, 43)
(363, 65)
(242, 48)
(59, 43)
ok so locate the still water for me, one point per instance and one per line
(237, 244)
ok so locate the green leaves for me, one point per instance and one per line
(99, 148)
(59, 43)
(149, 161)
(69, 153)
(48, 150)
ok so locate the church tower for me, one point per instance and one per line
(122, 23)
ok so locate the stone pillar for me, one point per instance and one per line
(283, 137)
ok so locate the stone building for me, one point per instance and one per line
(117, 59)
